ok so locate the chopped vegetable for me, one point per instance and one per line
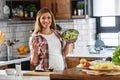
(70, 34)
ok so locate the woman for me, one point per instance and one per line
(47, 48)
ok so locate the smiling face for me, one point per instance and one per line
(46, 20)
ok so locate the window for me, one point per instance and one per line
(107, 29)
(107, 22)
(110, 40)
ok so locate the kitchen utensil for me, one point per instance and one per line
(2, 37)
(99, 45)
(18, 69)
(70, 35)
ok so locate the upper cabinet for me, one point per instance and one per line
(23, 9)
(106, 7)
(60, 8)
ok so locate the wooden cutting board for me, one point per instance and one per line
(33, 73)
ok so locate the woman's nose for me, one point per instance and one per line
(46, 20)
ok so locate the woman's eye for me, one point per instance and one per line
(46, 18)
(43, 17)
(49, 17)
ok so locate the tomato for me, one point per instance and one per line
(87, 64)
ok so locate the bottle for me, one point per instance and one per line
(18, 69)
(75, 13)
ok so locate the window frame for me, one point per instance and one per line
(101, 29)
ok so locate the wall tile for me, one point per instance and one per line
(21, 31)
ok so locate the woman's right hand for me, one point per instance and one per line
(35, 46)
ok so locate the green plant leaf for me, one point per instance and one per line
(31, 8)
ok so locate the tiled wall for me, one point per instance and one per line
(20, 30)
(87, 30)
(16, 30)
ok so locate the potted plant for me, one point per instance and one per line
(80, 7)
(31, 9)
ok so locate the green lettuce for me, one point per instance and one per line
(116, 56)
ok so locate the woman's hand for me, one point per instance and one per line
(34, 55)
(35, 46)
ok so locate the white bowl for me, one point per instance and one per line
(10, 71)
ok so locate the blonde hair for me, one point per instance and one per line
(38, 25)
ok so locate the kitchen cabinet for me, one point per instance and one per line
(3, 67)
(24, 65)
(60, 8)
(19, 8)
(74, 61)
(32, 67)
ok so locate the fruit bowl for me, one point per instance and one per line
(70, 35)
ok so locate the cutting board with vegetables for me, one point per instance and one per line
(34, 73)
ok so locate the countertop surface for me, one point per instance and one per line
(4, 76)
(20, 59)
(103, 54)
(78, 74)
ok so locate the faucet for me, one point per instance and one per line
(9, 45)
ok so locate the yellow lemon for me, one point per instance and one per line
(82, 61)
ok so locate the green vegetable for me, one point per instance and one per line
(116, 56)
(70, 34)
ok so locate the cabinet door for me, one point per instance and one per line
(3, 67)
(46, 3)
(60, 8)
(72, 61)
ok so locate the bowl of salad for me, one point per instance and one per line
(70, 35)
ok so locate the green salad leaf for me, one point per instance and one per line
(116, 56)
(70, 34)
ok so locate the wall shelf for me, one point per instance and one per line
(18, 8)
(74, 9)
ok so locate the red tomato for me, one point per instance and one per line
(87, 64)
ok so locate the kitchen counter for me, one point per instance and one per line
(2, 63)
(77, 74)
(105, 53)
(4, 76)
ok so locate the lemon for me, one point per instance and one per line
(82, 61)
